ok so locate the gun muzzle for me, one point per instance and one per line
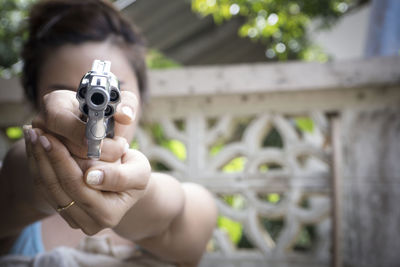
(98, 95)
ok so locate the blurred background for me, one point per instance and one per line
(204, 32)
(333, 39)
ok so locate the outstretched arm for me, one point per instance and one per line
(20, 202)
(173, 221)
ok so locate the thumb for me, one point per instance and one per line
(127, 109)
(132, 173)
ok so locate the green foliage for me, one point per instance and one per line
(156, 60)
(216, 149)
(279, 24)
(14, 133)
(13, 14)
(273, 139)
(176, 147)
(13, 18)
(173, 145)
(233, 229)
(305, 239)
(134, 144)
(305, 124)
(273, 198)
(235, 165)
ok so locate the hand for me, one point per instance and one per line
(62, 179)
(60, 116)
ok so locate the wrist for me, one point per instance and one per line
(152, 215)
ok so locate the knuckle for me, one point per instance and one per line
(86, 205)
(120, 180)
(36, 154)
(53, 187)
(121, 146)
(145, 173)
(108, 219)
(69, 184)
(113, 149)
(37, 182)
(111, 156)
(57, 162)
(108, 222)
(142, 183)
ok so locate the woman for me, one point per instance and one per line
(49, 172)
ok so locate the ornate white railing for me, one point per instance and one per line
(298, 172)
(249, 113)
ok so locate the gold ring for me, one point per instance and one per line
(59, 209)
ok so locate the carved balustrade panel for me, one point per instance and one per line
(270, 175)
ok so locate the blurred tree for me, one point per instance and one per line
(13, 14)
(157, 60)
(280, 24)
(13, 18)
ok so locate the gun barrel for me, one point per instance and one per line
(98, 95)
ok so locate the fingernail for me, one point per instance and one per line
(25, 129)
(128, 112)
(32, 136)
(95, 177)
(45, 143)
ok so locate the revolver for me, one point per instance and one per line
(98, 95)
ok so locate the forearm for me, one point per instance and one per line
(173, 221)
(20, 202)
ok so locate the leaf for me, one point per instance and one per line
(305, 124)
(234, 229)
(273, 198)
(14, 132)
(235, 165)
(177, 148)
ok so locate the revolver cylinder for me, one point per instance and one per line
(98, 95)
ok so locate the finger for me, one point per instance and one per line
(75, 215)
(78, 218)
(28, 149)
(60, 115)
(127, 109)
(30, 140)
(133, 173)
(47, 175)
(52, 194)
(33, 168)
(29, 137)
(67, 172)
(113, 148)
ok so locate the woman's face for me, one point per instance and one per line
(65, 67)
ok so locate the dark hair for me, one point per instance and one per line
(53, 23)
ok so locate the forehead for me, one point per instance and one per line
(66, 65)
